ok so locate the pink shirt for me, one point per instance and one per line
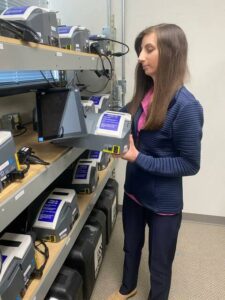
(145, 105)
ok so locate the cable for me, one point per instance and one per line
(100, 90)
(20, 30)
(117, 54)
(111, 67)
(23, 130)
(37, 273)
(49, 82)
(26, 157)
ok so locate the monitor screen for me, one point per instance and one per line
(59, 114)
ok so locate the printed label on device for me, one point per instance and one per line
(49, 210)
(81, 172)
(16, 10)
(64, 29)
(3, 258)
(94, 154)
(95, 99)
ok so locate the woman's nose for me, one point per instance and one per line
(141, 57)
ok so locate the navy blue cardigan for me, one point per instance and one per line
(166, 155)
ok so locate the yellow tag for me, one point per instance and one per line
(17, 162)
(114, 150)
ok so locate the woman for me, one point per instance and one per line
(164, 146)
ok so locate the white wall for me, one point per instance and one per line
(21, 103)
(88, 13)
(204, 23)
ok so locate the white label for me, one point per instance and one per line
(59, 54)
(4, 165)
(1, 46)
(98, 255)
(3, 178)
(26, 271)
(63, 236)
(113, 212)
(62, 232)
(20, 194)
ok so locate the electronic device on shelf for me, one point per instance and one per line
(8, 161)
(74, 37)
(57, 215)
(102, 158)
(17, 266)
(61, 118)
(101, 102)
(85, 177)
(40, 24)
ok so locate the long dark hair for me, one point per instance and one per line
(171, 71)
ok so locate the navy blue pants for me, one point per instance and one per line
(163, 232)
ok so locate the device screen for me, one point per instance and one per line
(50, 108)
(60, 114)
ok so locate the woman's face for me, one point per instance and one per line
(149, 54)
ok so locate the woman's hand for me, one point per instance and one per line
(131, 154)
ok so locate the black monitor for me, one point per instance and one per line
(60, 114)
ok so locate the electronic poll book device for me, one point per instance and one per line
(74, 37)
(8, 161)
(57, 215)
(85, 176)
(88, 106)
(18, 263)
(61, 119)
(102, 158)
(101, 102)
(41, 20)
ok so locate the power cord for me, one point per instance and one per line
(21, 31)
(109, 53)
(95, 48)
(38, 272)
(51, 84)
(22, 129)
(26, 156)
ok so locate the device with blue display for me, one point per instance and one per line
(57, 215)
(88, 106)
(102, 158)
(101, 102)
(41, 20)
(61, 118)
(74, 37)
(17, 266)
(8, 163)
(85, 177)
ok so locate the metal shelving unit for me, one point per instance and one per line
(39, 290)
(34, 56)
(41, 57)
(17, 201)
